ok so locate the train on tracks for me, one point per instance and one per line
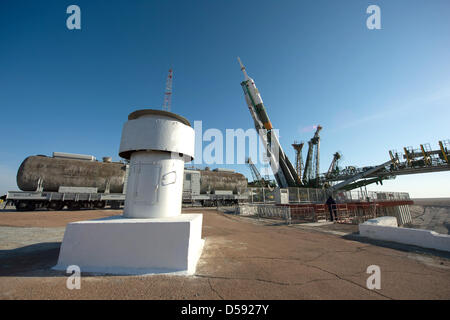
(80, 181)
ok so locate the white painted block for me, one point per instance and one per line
(383, 221)
(417, 237)
(120, 245)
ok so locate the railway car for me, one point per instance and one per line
(80, 181)
(65, 179)
(211, 188)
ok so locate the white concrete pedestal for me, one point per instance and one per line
(118, 245)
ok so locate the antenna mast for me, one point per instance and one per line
(168, 92)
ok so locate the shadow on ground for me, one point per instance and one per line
(397, 246)
(36, 260)
(30, 261)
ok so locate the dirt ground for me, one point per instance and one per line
(243, 258)
(431, 214)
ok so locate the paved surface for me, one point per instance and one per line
(243, 258)
(13, 238)
(44, 218)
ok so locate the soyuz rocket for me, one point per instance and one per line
(284, 172)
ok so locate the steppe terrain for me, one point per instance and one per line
(431, 214)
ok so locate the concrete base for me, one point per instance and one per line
(380, 229)
(118, 245)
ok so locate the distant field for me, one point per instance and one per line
(431, 214)
(432, 201)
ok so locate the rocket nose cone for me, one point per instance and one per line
(240, 63)
(243, 69)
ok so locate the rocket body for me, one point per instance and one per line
(283, 170)
(254, 100)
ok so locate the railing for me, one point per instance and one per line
(296, 195)
(265, 211)
(260, 195)
(352, 214)
(312, 195)
(303, 214)
(373, 196)
(348, 213)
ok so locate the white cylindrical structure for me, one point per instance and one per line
(157, 143)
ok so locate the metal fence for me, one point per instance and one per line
(296, 195)
(260, 195)
(355, 214)
(352, 214)
(308, 205)
(312, 195)
(374, 196)
(308, 213)
(265, 211)
(348, 213)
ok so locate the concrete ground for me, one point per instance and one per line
(243, 258)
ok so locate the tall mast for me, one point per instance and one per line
(168, 92)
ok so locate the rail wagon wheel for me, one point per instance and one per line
(55, 205)
(31, 206)
(115, 205)
(86, 205)
(25, 206)
(74, 205)
(100, 204)
(21, 205)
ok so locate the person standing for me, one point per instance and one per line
(331, 207)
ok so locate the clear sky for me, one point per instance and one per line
(314, 62)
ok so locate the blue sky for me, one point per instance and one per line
(314, 62)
